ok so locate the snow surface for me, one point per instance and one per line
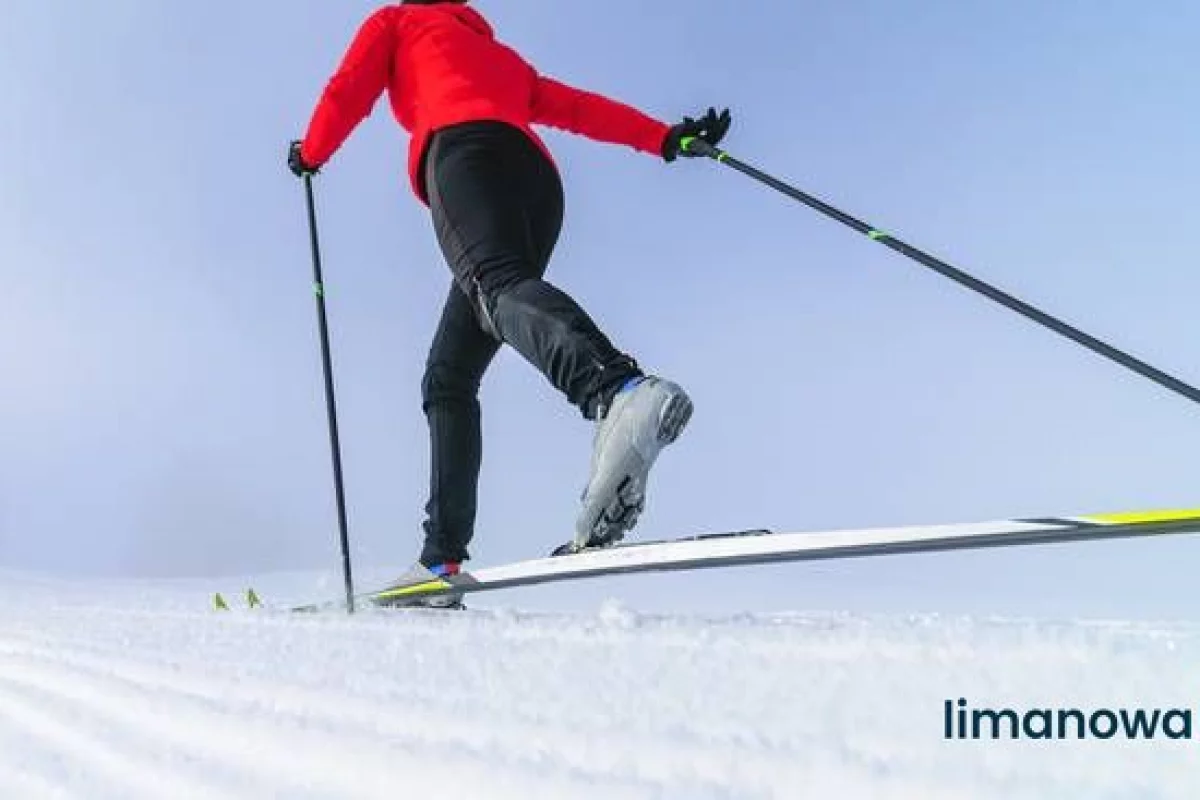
(140, 690)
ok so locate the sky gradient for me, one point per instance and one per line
(162, 412)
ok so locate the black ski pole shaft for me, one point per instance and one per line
(702, 148)
(330, 401)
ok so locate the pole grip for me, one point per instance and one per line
(699, 147)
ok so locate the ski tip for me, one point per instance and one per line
(252, 600)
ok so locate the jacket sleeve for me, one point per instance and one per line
(351, 93)
(596, 117)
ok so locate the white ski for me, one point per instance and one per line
(762, 546)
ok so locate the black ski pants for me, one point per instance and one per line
(497, 206)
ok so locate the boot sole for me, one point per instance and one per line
(674, 418)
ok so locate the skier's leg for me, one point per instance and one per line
(458, 357)
(497, 207)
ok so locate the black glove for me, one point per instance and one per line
(712, 128)
(296, 162)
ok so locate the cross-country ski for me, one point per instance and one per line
(746, 548)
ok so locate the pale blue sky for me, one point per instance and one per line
(163, 415)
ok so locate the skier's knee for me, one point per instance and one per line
(443, 383)
(489, 296)
(496, 278)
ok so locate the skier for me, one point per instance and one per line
(496, 200)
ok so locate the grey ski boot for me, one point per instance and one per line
(420, 575)
(644, 417)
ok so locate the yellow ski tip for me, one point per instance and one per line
(1138, 517)
(414, 589)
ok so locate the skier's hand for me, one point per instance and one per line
(296, 162)
(712, 128)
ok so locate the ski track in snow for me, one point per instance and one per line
(128, 691)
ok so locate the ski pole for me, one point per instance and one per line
(330, 402)
(700, 147)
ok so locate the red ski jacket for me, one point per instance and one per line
(441, 65)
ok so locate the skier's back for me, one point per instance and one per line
(496, 201)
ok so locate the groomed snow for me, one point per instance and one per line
(123, 690)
